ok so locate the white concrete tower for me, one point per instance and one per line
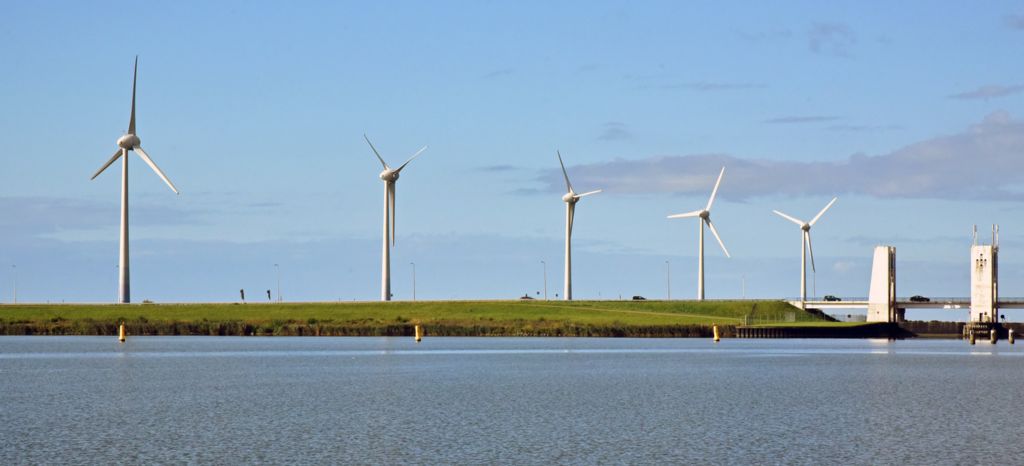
(882, 293)
(985, 280)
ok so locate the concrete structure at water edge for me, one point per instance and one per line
(985, 283)
(882, 292)
(984, 303)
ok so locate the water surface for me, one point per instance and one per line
(230, 400)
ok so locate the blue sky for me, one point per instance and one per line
(911, 112)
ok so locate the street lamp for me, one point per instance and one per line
(278, 269)
(413, 264)
(545, 264)
(668, 279)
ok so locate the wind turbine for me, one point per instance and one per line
(390, 177)
(805, 245)
(129, 142)
(570, 198)
(705, 217)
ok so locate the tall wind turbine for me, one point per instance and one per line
(705, 217)
(390, 177)
(570, 198)
(805, 245)
(129, 142)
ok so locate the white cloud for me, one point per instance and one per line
(989, 92)
(982, 162)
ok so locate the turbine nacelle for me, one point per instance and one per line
(570, 198)
(389, 175)
(705, 218)
(128, 141)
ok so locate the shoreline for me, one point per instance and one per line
(511, 318)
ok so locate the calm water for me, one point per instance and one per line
(502, 400)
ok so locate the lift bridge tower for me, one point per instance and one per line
(985, 280)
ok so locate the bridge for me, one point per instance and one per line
(883, 305)
(907, 303)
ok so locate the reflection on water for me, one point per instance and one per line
(506, 400)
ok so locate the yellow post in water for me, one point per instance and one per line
(992, 336)
(714, 329)
(419, 333)
(1010, 336)
(972, 337)
(121, 334)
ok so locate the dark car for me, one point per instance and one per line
(639, 298)
(919, 299)
(832, 298)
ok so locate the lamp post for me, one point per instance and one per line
(278, 269)
(668, 279)
(545, 264)
(413, 264)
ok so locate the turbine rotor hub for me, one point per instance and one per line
(389, 175)
(805, 227)
(570, 198)
(128, 141)
(705, 214)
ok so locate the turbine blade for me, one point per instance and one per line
(587, 194)
(787, 217)
(131, 122)
(715, 191)
(816, 217)
(807, 235)
(711, 226)
(382, 162)
(568, 185)
(391, 209)
(104, 167)
(695, 213)
(149, 161)
(572, 217)
(410, 159)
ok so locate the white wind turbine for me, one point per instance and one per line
(805, 245)
(570, 198)
(129, 142)
(705, 217)
(390, 177)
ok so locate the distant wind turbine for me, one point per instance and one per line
(705, 218)
(570, 198)
(805, 245)
(129, 142)
(390, 177)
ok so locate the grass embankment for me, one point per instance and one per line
(454, 318)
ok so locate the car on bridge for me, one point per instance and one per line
(832, 298)
(919, 299)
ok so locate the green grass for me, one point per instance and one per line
(585, 318)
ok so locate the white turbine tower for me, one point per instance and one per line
(129, 142)
(705, 217)
(805, 245)
(570, 198)
(390, 177)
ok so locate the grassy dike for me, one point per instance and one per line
(447, 318)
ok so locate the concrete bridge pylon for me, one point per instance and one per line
(882, 293)
(985, 279)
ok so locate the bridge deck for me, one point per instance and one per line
(944, 303)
